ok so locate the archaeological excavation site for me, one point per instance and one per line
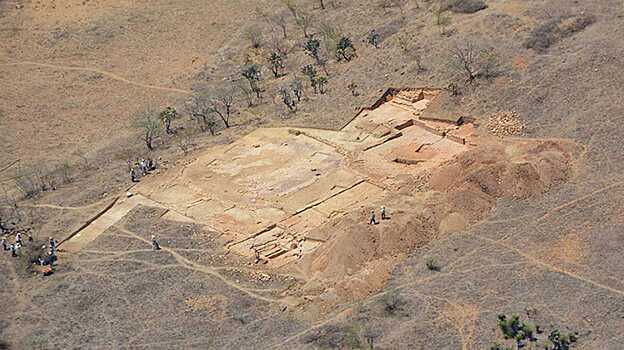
(301, 198)
(311, 174)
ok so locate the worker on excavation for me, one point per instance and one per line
(383, 213)
(52, 245)
(5, 246)
(155, 244)
(18, 238)
(373, 221)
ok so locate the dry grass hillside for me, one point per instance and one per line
(523, 218)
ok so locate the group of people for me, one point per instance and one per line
(49, 257)
(17, 245)
(140, 167)
(373, 218)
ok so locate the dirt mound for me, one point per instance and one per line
(518, 170)
(357, 258)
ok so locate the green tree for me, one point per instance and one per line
(373, 38)
(287, 99)
(277, 64)
(558, 341)
(150, 126)
(312, 48)
(253, 74)
(345, 49)
(520, 332)
(321, 82)
(310, 72)
(297, 88)
(167, 116)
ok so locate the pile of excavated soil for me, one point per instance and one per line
(358, 258)
(504, 124)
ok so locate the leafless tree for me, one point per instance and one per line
(465, 58)
(208, 103)
(304, 21)
(254, 34)
(278, 20)
(473, 61)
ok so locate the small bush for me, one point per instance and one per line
(433, 265)
(334, 337)
(393, 303)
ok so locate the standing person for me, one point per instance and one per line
(52, 245)
(13, 250)
(383, 213)
(5, 246)
(373, 221)
(133, 175)
(155, 244)
(18, 238)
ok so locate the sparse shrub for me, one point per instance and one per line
(555, 29)
(277, 64)
(353, 88)
(522, 333)
(345, 49)
(253, 74)
(297, 88)
(287, 99)
(254, 35)
(184, 141)
(310, 72)
(65, 172)
(304, 22)
(441, 18)
(334, 337)
(433, 265)
(149, 125)
(410, 51)
(373, 38)
(312, 48)
(559, 341)
(392, 303)
(472, 61)
(371, 334)
(29, 183)
(278, 19)
(321, 82)
(390, 4)
(167, 116)
(83, 157)
(331, 36)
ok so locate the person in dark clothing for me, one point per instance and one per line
(52, 245)
(13, 250)
(155, 244)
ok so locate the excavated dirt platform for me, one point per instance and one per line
(283, 193)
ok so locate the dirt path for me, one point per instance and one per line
(99, 71)
(103, 221)
(208, 270)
